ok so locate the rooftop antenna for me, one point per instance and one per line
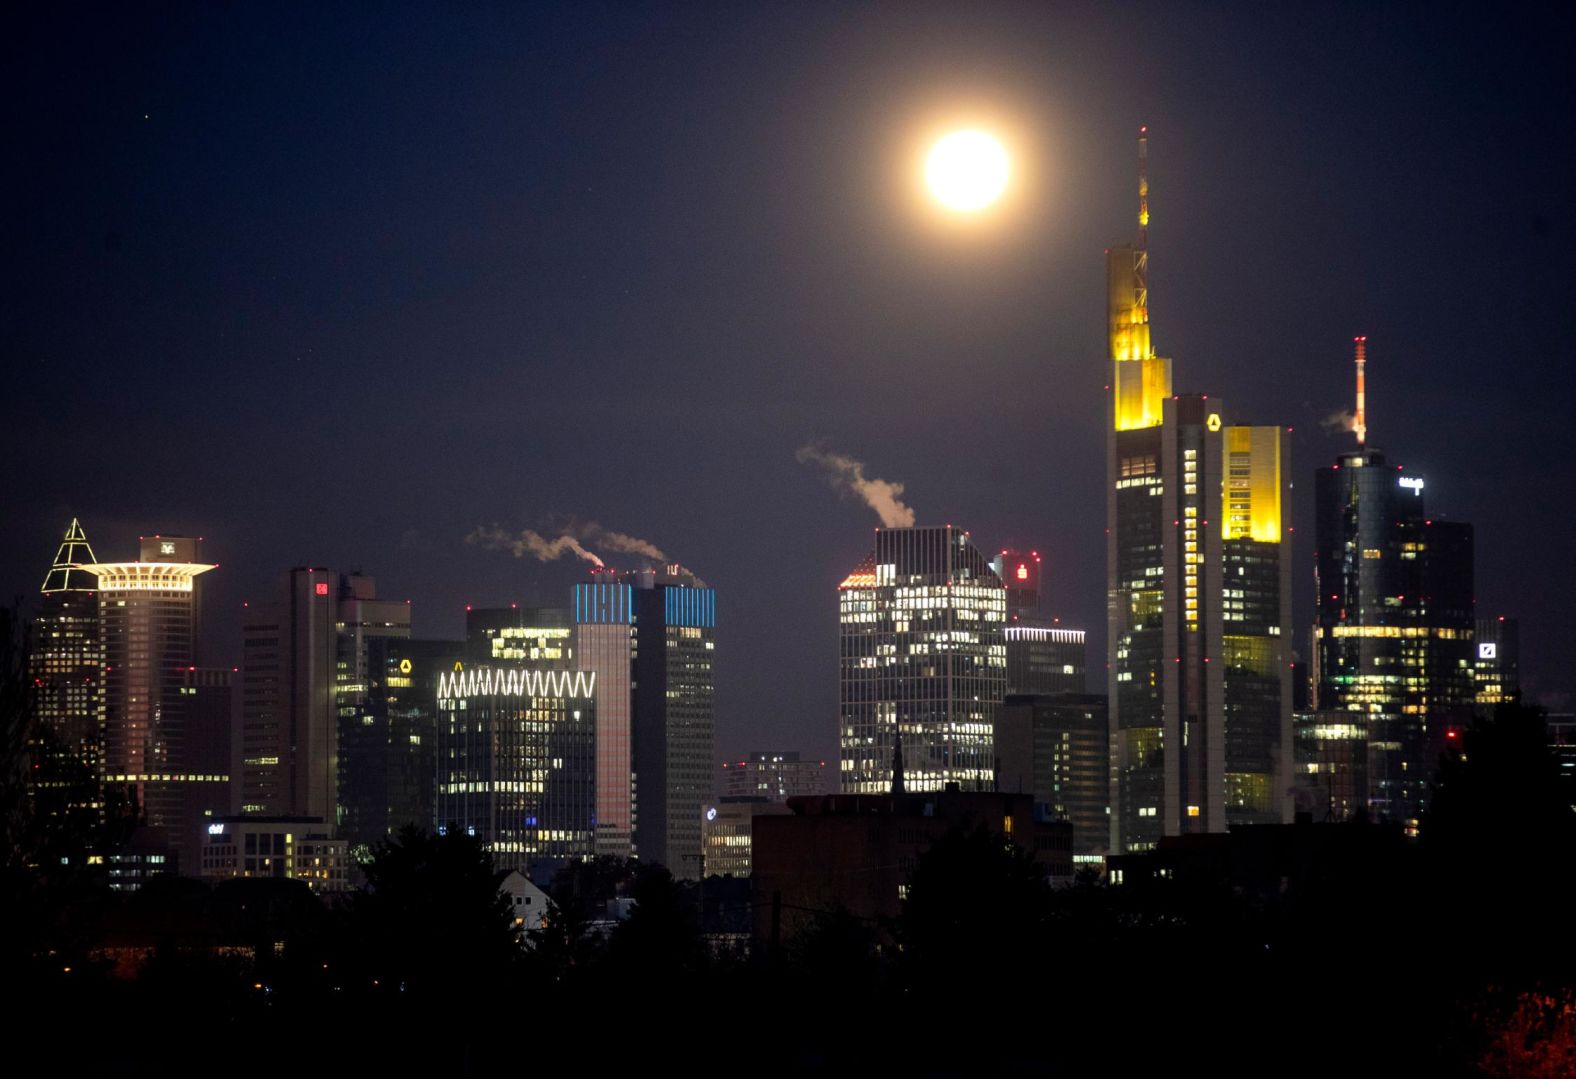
(1141, 247)
(1360, 423)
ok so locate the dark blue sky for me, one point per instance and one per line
(337, 286)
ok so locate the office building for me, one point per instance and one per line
(278, 848)
(66, 664)
(672, 720)
(516, 752)
(541, 637)
(1198, 590)
(162, 730)
(388, 732)
(776, 775)
(1020, 573)
(1393, 639)
(1056, 747)
(728, 828)
(1496, 672)
(605, 639)
(315, 703)
(923, 662)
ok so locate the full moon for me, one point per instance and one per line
(967, 170)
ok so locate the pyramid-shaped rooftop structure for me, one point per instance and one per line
(74, 551)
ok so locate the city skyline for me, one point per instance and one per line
(267, 330)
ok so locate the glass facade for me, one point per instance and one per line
(1393, 642)
(676, 622)
(924, 659)
(516, 750)
(66, 664)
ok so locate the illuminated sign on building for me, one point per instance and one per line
(166, 548)
(1023, 572)
(489, 682)
(321, 588)
(1412, 483)
(1488, 650)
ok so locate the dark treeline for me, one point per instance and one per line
(1311, 949)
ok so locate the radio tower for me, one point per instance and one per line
(1359, 423)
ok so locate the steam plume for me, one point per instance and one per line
(621, 542)
(1343, 420)
(530, 543)
(847, 476)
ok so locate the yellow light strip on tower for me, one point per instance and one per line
(144, 576)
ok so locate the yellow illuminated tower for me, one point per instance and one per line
(1198, 590)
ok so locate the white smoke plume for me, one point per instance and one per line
(847, 476)
(608, 540)
(530, 543)
(1343, 420)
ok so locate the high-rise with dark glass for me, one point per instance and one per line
(315, 703)
(1393, 640)
(66, 664)
(671, 750)
(923, 662)
(516, 750)
(1198, 590)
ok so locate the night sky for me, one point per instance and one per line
(340, 287)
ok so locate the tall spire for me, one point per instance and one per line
(1360, 421)
(74, 551)
(1141, 246)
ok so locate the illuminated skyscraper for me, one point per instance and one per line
(924, 660)
(160, 751)
(604, 642)
(517, 761)
(1393, 641)
(1198, 591)
(66, 663)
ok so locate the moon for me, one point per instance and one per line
(967, 171)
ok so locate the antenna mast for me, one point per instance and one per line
(1360, 423)
(1141, 248)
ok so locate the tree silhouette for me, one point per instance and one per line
(430, 919)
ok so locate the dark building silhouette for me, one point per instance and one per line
(1056, 747)
(857, 851)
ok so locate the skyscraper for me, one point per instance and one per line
(1198, 590)
(676, 627)
(309, 661)
(516, 750)
(1393, 637)
(923, 660)
(154, 754)
(66, 663)
(605, 642)
(1496, 673)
